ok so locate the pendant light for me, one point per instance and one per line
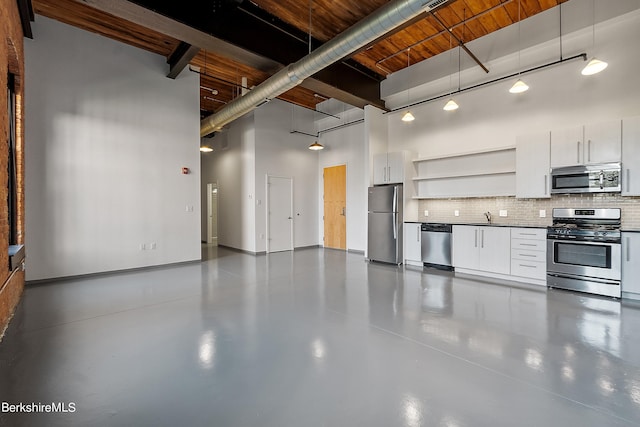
(451, 105)
(595, 65)
(519, 86)
(316, 146)
(204, 148)
(407, 116)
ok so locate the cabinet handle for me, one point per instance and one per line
(482, 238)
(628, 250)
(418, 234)
(528, 255)
(385, 175)
(525, 265)
(475, 244)
(527, 244)
(628, 180)
(589, 150)
(545, 184)
(527, 234)
(389, 174)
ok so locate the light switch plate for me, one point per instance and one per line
(426, 213)
(503, 212)
(543, 213)
(456, 213)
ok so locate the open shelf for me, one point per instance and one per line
(482, 173)
(464, 154)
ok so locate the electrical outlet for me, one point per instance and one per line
(503, 212)
(426, 213)
(456, 213)
(152, 245)
(143, 247)
(543, 213)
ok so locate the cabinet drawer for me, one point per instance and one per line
(527, 255)
(531, 245)
(530, 269)
(529, 233)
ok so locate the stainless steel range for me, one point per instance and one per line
(584, 252)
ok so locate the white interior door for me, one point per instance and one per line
(279, 214)
(212, 213)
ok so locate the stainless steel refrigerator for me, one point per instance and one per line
(385, 224)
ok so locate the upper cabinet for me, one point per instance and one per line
(631, 156)
(532, 166)
(388, 168)
(592, 143)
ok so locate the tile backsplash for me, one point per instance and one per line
(525, 211)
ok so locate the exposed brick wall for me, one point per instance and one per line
(11, 60)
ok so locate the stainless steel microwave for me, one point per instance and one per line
(595, 178)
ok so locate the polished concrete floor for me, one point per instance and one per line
(317, 338)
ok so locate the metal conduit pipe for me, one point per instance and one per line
(360, 34)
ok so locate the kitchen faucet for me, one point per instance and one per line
(488, 216)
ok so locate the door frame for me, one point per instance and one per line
(267, 205)
(346, 203)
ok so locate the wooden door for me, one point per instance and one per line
(335, 207)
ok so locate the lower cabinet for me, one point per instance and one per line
(412, 244)
(510, 253)
(631, 265)
(529, 255)
(482, 249)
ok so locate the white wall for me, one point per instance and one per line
(279, 152)
(255, 145)
(106, 137)
(346, 146)
(559, 96)
(232, 166)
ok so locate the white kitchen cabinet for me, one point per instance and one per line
(631, 265)
(602, 142)
(631, 156)
(465, 251)
(495, 254)
(412, 244)
(388, 168)
(592, 143)
(533, 155)
(482, 248)
(529, 255)
(566, 146)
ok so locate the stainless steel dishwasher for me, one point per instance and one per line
(436, 245)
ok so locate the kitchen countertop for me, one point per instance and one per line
(484, 224)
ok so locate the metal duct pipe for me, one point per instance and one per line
(360, 34)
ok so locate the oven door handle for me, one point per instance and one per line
(583, 242)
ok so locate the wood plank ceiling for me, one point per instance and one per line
(221, 75)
